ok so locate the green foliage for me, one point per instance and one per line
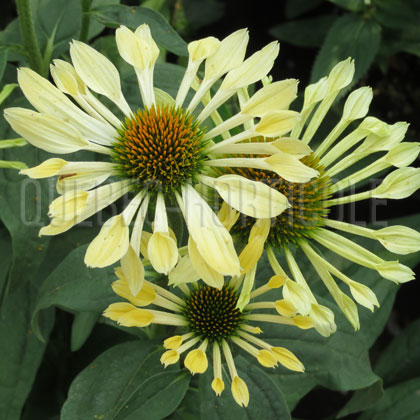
(115, 15)
(401, 402)
(295, 8)
(266, 398)
(349, 36)
(73, 286)
(371, 32)
(129, 383)
(308, 32)
(400, 361)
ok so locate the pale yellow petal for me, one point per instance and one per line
(143, 298)
(110, 245)
(196, 361)
(163, 252)
(203, 48)
(172, 343)
(117, 310)
(267, 358)
(210, 277)
(273, 97)
(290, 168)
(218, 386)
(136, 318)
(49, 167)
(240, 391)
(169, 357)
(253, 198)
(277, 123)
(133, 270)
(44, 131)
(288, 359)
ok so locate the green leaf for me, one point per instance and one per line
(400, 361)
(115, 15)
(59, 19)
(295, 8)
(398, 15)
(95, 28)
(352, 5)
(6, 91)
(81, 328)
(305, 32)
(6, 257)
(129, 383)
(73, 286)
(21, 351)
(349, 36)
(3, 62)
(266, 399)
(23, 209)
(363, 399)
(400, 402)
(203, 12)
(11, 40)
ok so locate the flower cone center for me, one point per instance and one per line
(212, 313)
(159, 148)
(308, 204)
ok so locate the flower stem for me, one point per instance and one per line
(28, 35)
(84, 31)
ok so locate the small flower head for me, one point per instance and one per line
(306, 221)
(209, 323)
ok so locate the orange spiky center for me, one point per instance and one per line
(159, 148)
(308, 204)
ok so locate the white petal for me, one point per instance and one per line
(253, 198)
(357, 104)
(49, 167)
(290, 168)
(133, 270)
(213, 240)
(45, 131)
(203, 48)
(253, 68)
(110, 245)
(399, 184)
(229, 55)
(96, 70)
(211, 277)
(162, 252)
(273, 97)
(277, 123)
(47, 99)
(184, 272)
(137, 49)
(399, 239)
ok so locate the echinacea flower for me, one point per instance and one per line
(306, 224)
(208, 322)
(162, 150)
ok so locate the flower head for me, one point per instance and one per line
(209, 322)
(162, 150)
(307, 223)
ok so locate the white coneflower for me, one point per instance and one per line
(306, 222)
(208, 322)
(162, 149)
